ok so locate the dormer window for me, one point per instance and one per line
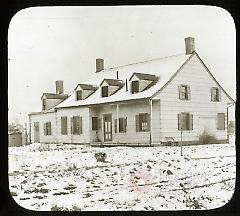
(141, 82)
(83, 91)
(79, 95)
(110, 87)
(104, 91)
(135, 87)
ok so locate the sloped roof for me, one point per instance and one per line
(163, 67)
(144, 76)
(87, 87)
(113, 82)
(54, 96)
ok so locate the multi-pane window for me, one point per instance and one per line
(221, 121)
(105, 91)
(76, 125)
(47, 128)
(215, 94)
(64, 125)
(94, 123)
(135, 86)
(184, 92)
(142, 122)
(185, 121)
(79, 95)
(122, 125)
(43, 104)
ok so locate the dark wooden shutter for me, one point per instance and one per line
(50, 128)
(71, 123)
(137, 122)
(179, 92)
(44, 128)
(212, 89)
(115, 125)
(188, 92)
(125, 125)
(219, 94)
(190, 122)
(99, 123)
(221, 121)
(179, 121)
(148, 121)
(80, 125)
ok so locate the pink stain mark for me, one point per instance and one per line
(140, 182)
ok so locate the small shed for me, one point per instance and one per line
(14, 138)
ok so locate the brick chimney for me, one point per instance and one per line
(99, 64)
(189, 45)
(59, 87)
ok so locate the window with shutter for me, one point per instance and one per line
(122, 125)
(94, 123)
(215, 94)
(143, 122)
(76, 125)
(184, 92)
(185, 121)
(64, 125)
(47, 128)
(221, 121)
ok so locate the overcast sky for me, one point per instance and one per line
(61, 43)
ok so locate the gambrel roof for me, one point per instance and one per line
(166, 68)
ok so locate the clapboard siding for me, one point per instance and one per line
(73, 138)
(193, 74)
(129, 111)
(43, 118)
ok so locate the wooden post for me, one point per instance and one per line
(151, 107)
(181, 133)
(117, 122)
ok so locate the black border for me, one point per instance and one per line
(7, 204)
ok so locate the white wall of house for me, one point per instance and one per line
(43, 118)
(74, 138)
(128, 110)
(200, 105)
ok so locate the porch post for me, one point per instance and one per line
(151, 107)
(117, 121)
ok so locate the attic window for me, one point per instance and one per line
(79, 95)
(135, 87)
(215, 94)
(184, 92)
(105, 91)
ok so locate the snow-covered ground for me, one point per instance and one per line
(67, 177)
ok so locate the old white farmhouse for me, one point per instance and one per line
(141, 103)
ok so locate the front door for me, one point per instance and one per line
(107, 127)
(36, 132)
